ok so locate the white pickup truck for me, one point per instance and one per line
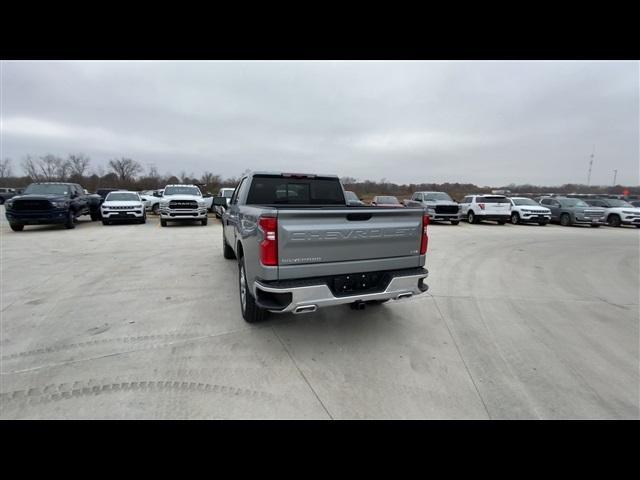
(182, 203)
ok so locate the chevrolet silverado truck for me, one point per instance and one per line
(300, 247)
(439, 206)
(50, 203)
(181, 203)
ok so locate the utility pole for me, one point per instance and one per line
(615, 174)
(591, 165)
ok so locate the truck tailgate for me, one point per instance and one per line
(319, 236)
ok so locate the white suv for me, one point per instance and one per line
(475, 208)
(122, 205)
(182, 203)
(526, 210)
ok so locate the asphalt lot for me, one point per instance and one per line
(138, 321)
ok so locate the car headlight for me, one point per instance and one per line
(627, 212)
(201, 204)
(61, 204)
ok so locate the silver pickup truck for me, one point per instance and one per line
(300, 247)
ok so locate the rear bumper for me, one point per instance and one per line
(493, 216)
(302, 296)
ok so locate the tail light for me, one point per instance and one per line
(481, 205)
(269, 244)
(425, 235)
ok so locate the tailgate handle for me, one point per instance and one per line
(358, 217)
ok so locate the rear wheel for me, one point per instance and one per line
(515, 218)
(250, 311)
(565, 220)
(144, 218)
(16, 227)
(614, 221)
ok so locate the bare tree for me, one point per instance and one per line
(5, 168)
(125, 168)
(50, 167)
(78, 164)
(30, 168)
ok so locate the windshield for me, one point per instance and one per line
(388, 200)
(437, 196)
(572, 202)
(227, 193)
(269, 190)
(122, 197)
(47, 189)
(182, 191)
(524, 201)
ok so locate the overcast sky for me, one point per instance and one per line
(489, 123)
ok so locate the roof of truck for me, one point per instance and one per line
(292, 173)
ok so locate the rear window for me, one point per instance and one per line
(492, 200)
(276, 190)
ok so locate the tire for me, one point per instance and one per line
(250, 311)
(455, 222)
(16, 227)
(471, 217)
(144, 218)
(217, 214)
(515, 218)
(69, 224)
(614, 220)
(501, 222)
(204, 221)
(565, 220)
(155, 209)
(227, 251)
(163, 223)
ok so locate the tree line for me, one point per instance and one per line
(122, 172)
(128, 173)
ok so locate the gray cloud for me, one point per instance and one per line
(489, 123)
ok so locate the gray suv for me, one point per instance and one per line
(570, 211)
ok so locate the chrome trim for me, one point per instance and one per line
(321, 296)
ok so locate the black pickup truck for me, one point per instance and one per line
(50, 203)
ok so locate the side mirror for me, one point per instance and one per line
(220, 201)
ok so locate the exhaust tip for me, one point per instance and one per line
(404, 295)
(305, 309)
